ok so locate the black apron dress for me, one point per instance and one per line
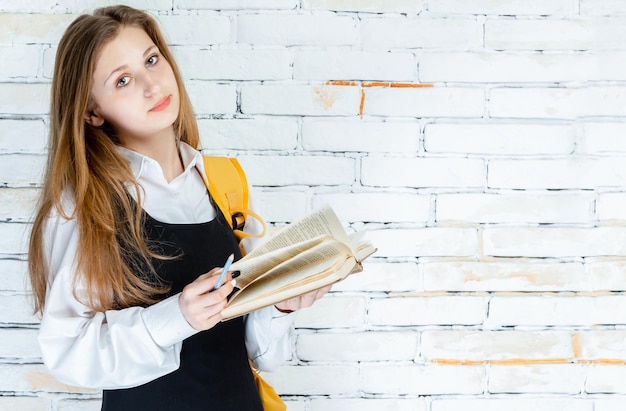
(214, 372)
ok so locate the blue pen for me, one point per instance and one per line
(227, 264)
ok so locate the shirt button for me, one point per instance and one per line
(175, 194)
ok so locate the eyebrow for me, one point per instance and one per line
(123, 66)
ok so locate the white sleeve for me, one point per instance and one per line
(268, 337)
(104, 350)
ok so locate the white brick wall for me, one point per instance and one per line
(481, 143)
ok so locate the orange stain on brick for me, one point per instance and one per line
(362, 103)
(576, 345)
(522, 361)
(397, 85)
(364, 85)
(341, 83)
(325, 97)
(509, 361)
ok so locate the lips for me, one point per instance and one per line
(161, 104)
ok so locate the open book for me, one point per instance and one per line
(308, 254)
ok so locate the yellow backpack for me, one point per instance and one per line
(227, 183)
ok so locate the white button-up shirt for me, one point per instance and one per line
(132, 346)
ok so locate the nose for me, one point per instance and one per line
(150, 85)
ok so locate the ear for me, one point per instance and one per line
(93, 118)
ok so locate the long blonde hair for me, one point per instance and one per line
(83, 162)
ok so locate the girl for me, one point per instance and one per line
(126, 242)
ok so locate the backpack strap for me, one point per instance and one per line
(228, 185)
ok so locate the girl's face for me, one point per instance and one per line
(134, 89)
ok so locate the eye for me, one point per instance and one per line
(123, 81)
(152, 60)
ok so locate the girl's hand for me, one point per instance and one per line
(303, 301)
(200, 304)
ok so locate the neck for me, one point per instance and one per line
(165, 151)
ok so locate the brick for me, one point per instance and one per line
(362, 346)
(296, 405)
(20, 61)
(557, 103)
(33, 377)
(427, 310)
(412, 32)
(296, 30)
(537, 379)
(517, 139)
(609, 404)
(281, 206)
(14, 275)
(602, 7)
(424, 102)
(366, 206)
(264, 133)
(301, 170)
(610, 207)
(602, 138)
(422, 242)
(17, 309)
(49, 56)
(26, 403)
(191, 30)
(33, 28)
(84, 6)
(211, 98)
(509, 8)
(607, 275)
(14, 238)
(24, 99)
(19, 344)
(333, 312)
(79, 405)
(387, 277)
(505, 276)
(314, 380)
(606, 379)
(18, 204)
(22, 169)
(520, 208)
(485, 345)
(554, 242)
(322, 100)
(342, 135)
(417, 379)
(232, 64)
(601, 345)
(556, 311)
(545, 34)
(340, 64)
(236, 5)
(512, 404)
(557, 173)
(420, 172)
(369, 404)
(23, 136)
(365, 6)
(502, 67)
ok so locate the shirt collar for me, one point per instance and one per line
(137, 161)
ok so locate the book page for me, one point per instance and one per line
(252, 267)
(284, 276)
(322, 221)
(309, 262)
(257, 297)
